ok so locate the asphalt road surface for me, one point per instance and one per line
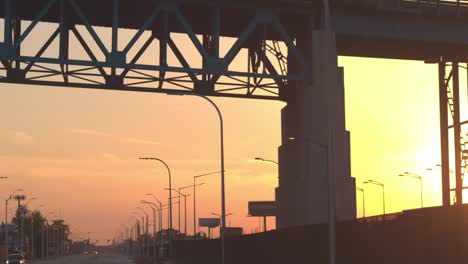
(89, 259)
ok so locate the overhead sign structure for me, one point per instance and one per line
(209, 222)
(262, 208)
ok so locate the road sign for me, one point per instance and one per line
(209, 222)
(233, 231)
(9, 228)
(262, 208)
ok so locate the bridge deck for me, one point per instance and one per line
(404, 29)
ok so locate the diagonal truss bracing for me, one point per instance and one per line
(450, 111)
(74, 52)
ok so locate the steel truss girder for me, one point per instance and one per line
(113, 68)
(450, 105)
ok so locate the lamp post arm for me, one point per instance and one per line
(206, 174)
(271, 161)
(155, 198)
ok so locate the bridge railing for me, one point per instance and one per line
(436, 3)
(435, 7)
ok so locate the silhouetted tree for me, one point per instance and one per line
(57, 232)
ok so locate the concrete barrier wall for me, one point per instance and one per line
(428, 236)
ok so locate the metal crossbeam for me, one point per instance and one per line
(102, 67)
(450, 109)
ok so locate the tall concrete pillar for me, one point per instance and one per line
(315, 113)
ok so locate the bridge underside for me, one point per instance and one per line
(366, 28)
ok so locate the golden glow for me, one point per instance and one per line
(77, 150)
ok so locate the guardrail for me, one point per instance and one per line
(434, 7)
(435, 3)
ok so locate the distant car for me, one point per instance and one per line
(15, 259)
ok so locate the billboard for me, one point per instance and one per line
(262, 208)
(209, 222)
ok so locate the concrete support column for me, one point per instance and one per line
(315, 110)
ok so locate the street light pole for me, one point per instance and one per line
(145, 231)
(223, 189)
(383, 192)
(267, 160)
(138, 226)
(185, 214)
(185, 205)
(195, 200)
(220, 216)
(133, 233)
(159, 208)
(6, 220)
(170, 200)
(363, 201)
(141, 231)
(161, 251)
(154, 207)
(418, 177)
(185, 202)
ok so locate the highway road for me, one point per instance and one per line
(90, 259)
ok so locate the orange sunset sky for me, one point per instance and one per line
(77, 150)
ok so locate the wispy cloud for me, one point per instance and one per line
(141, 141)
(90, 132)
(96, 133)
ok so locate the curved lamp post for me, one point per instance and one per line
(185, 210)
(267, 160)
(170, 198)
(6, 218)
(194, 186)
(195, 200)
(155, 207)
(223, 193)
(363, 201)
(160, 207)
(418, 177)
(383, 192)
(145, 229)
(218, 215)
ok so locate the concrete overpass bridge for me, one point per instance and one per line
(263, 49)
